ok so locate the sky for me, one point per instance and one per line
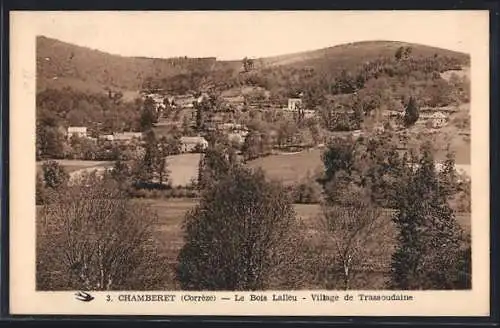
(233, 35)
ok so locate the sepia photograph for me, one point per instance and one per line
(262, 153)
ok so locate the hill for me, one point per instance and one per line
(61, 64)
(352, 54)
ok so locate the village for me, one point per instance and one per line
(430, 120)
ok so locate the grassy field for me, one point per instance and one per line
(71, 165)
(168, 237)
(290, 168)
(295, 167)
(168, 230)
(183, 168)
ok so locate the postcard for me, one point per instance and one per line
(295, 163)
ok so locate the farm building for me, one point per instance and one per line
(80, 131)
(309, 113)
(234, 127)
(435, 119)
(126, 136)
(357, 133)
(106, 137)
(184, 101)
(236, 100)
(438, 120)
(393, 113)
(190, 144)
(202, 97)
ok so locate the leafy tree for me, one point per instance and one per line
(54, 175)
(173, 144)
(378, 164)
(407, 52)
(148, 116)
(160, 162)
(204, 110)
(217, 162)
(243, 235)
(399, 53)
(307, 192)
(40, 190)
(50, 142)
(412, 112)
(339, 156)
(252, 147)
(300, 114)
(286, 132)
(69, 107)
(186, 126)
(448, 177)
(145, 168)
(248, 64)
(121, 172)
(430, 240)
(316, 133)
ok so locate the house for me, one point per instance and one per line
(357, 133)
(309, 113)
(106, 137)
(438, 120)
(237, 138)
(294, 104)
(234, 127)
(235, 100)
(79, 131)
(184, 101)
(393, 113)
(126, 136)
(202, 97)
(190, 144)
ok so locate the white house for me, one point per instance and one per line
(126, 136)
(294, 104)
(189, 144)
(80, 131)
(308, 113)
(238, 138)
(438, 120)
(106, 137)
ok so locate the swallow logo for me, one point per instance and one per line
(84, 297)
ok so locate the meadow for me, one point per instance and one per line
(295, 167)
(289, 168)
(168, 233)
(72, 165)
(168, 238)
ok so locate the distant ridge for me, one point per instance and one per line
(61, 64)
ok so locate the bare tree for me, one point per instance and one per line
(353, 235)
(102, 240)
